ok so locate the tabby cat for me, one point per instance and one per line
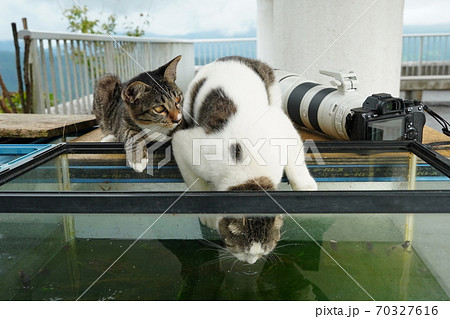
(132, 112)
(239, 138)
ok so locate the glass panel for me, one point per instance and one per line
(358, 170)
(442, 148)
(427, 177)
(374, 170)
(96, 173)
(182, 257)
(14, 154)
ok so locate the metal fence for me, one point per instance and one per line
(65, 66)
(426, 55)
(208, 50)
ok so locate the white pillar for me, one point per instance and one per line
(305, 36)
(265, 30)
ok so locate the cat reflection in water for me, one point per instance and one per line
(247, 238)
(237, 138)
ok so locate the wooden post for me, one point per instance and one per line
(7, 95)
(27, 72)
(3, 106)
(18, 68)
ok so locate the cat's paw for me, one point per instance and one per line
(137, 157)
(307, 184)
(139, 166)
(109, 138)
(310, 186)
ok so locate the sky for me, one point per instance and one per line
(177, 17)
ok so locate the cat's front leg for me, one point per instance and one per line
(302, 181)
(183, 152)
(108, 138)
(297, 171)
(137, 157)
(136, 152)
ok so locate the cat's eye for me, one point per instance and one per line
(159, 109)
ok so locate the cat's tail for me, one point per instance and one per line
(107, 90)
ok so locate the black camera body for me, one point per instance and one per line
(383, 117)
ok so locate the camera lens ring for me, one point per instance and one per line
(313, 110)
(295, 100)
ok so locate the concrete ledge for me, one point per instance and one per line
(418, 83)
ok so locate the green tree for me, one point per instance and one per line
(137, 30)
(79, 20)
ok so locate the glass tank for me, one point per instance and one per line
(83, 169)
(176, 257)
(77, 224)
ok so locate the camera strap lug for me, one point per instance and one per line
(344, 81)
(443, 122)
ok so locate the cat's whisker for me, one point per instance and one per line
(207, 249)
(225, 255)
(283, 234)
(211, 244)
(278, 257)
(228, 260)
(211, 262)
(292, 244)
(278, 254)
(232, 266)
(289, 230)
(271, 257)
(275, 257)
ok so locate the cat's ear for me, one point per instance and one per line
(278, 223)
(234, 229)
(170, 72)
(133, 91)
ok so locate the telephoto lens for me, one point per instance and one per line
(319, 107)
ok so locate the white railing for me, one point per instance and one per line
(65, 66)
(208, 50)
(426, 55)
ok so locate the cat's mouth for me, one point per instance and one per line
(248, 258)
(162, 124)
(166, 124)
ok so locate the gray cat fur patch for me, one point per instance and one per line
(215, 111)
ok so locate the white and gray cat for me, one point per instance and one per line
(237, 137)
(136, 111)
(248, 238)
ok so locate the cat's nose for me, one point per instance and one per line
(177, 118)
(251, 259)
